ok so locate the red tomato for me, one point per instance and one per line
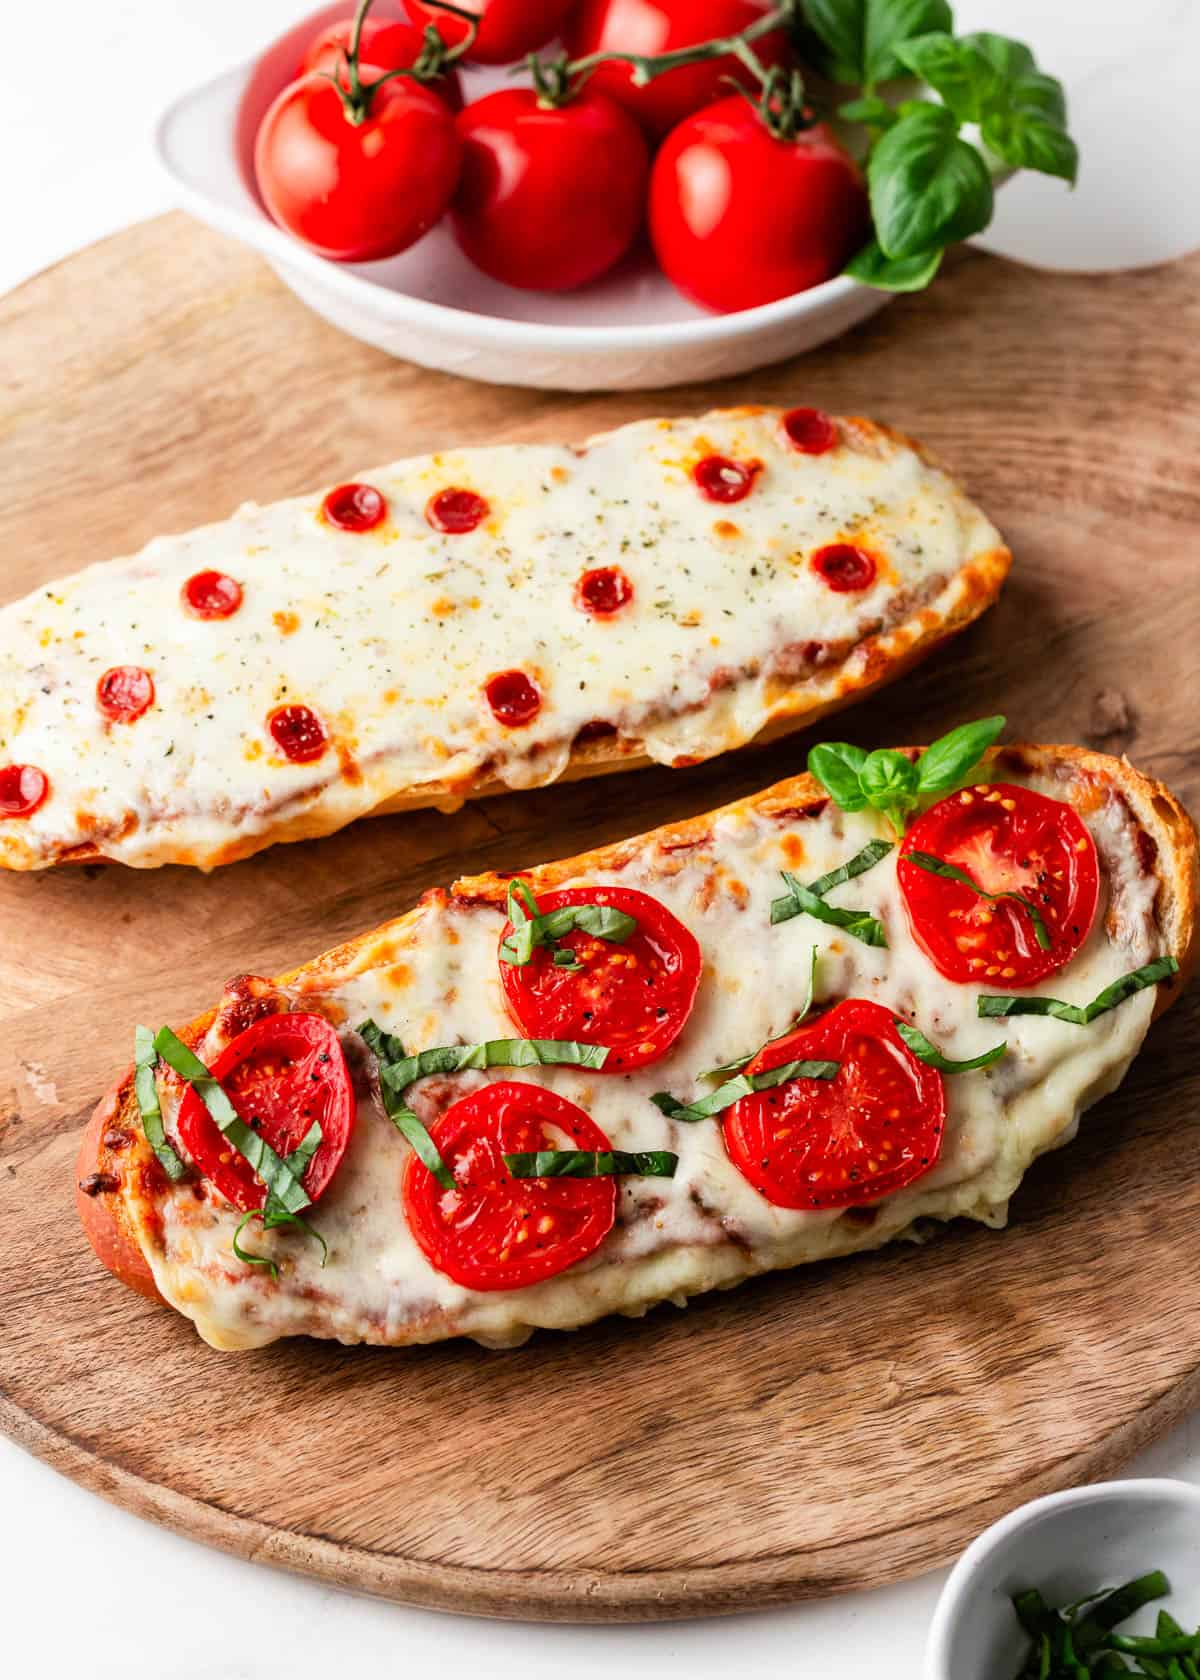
(23, 787)
(356, 192)
(633, 997)
(740, 218)
(212, 595)
(493, 1231)
(1007, 839)
(549, 198)
(298, 733)
(830, 1143)
(652, 27)
(354, 507)
(508, 29)
(99, 1211)
(124, 693)
(281, 1074)
(390, 45)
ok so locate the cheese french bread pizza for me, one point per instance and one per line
(796, 1027)
(462, 623)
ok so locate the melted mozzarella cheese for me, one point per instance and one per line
(391, 635)
(438, 984)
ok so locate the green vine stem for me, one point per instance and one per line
(434, 59)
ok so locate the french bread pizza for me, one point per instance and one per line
(476, 620)
(803, 1025)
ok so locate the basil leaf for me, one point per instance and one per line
(943, 764)
(889, 781)
(1026, 140)
(592, 1163)
(493, 1052)
(1008, 58)
(893, 274)
(889, 22)
(273, 1216)
(991, 1006)
(837, 765)
(929, 1053)
(870, 110)
(271, 1168)
(402, 1117)
(602, 921)
(802, 900)
(872, 853)
(927, 186)
(859, 37)
(704, 1108)
(146, 1090)
(740, 1062)
(1021, 111)
(958, 71)
(386, 1045)
(949, 872)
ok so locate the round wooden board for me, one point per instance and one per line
(813, 1432)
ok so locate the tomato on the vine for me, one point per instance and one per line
(651, 27)
(742, 214)
(551, 195)
(508, 29)
(388, 43)
(357, 176)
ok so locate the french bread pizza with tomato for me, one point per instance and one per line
(799, 1026)
(472, 621)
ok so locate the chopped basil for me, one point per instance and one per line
(742, 1086)
(493, 1052)
(872, 853)
(1081, 1015)
(271, 1217)
(949, 872)
(146, 1090)
(397, 1110)
(801, 900)
(929, 1053)
(281, 1179)
(592, 1163)
(737, 1065)
(530, 928)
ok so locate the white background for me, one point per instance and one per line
(77, 100)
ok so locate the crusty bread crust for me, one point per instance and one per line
(792, 703)
(1170, 852)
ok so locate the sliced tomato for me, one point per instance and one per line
(634, 997)
(832, 1143)
(493, 1231)
(281, 1074)
(1008, 839)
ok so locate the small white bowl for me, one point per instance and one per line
(628, 331)
(1067, 1544)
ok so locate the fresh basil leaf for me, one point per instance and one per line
(927, 186)
(943, 764)
(271, 1168)
(872, 853)
(592, 1163)
(273, 1216)
(704, 1108)
(493, 1052)
(889, 781)
(927, 1052)
(870, 110)
(245, 1255)
(994, 1007)
(1021, 111)
(950, 872)
(602, 921)
(1008, 58)
(837, 765)
(857, 38)
(802, 900)
(959, 72)
(889, 22)
(397, 1110)
(1027, 142)
(740, 1062)
(386, 1046)
(146, 1090)
(893, 274)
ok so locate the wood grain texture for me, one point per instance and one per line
(811, 1432)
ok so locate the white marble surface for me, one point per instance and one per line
(76, 166)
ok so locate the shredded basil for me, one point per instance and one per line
(592, 1163)
(742, 1086)
(810, 900)
(737, 1065)
(929, 1053)
(493, 1052)
(949, 872)
(1081, 1015)
(279, 1176)
(872, 853)
(272, 1217)
(530, 928)
(397, 1110)
(146, 1090)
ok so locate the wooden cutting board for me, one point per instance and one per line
(812, 1432)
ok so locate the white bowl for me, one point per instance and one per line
(628, 331)
(1068, 1544)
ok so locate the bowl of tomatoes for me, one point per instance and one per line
(571, 194)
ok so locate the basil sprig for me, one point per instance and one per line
(592, 1163)
(810, 900)
(996, 1006)
(930, 184)
(389, 1050)
(146, 1090)
(744, 1085)
(740, 1062)
(492, 1052)
(949, 872)
(889, 781)
(530, 928)
(929, 1053)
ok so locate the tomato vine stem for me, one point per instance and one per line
(433, 60)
